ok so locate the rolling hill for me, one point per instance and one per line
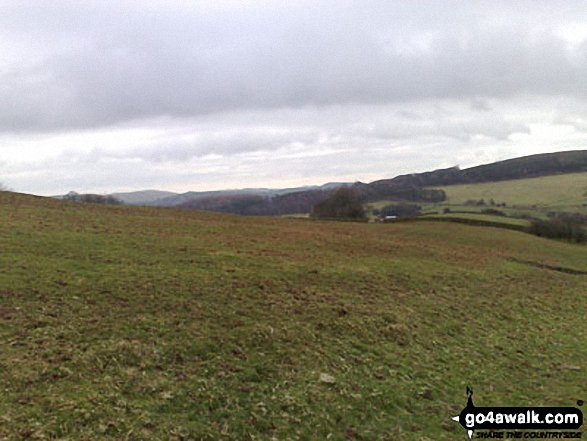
(418, 187)
(220, 195)
(563, 192)
(143, 197)
(123, 322)
(544, 164)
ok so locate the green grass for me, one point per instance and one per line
(565, 192)
(484, 217)
(533, 197)
(144, 323)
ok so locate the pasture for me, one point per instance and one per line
(144, 323)
(564, 192)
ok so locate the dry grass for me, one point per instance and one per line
(143, 323)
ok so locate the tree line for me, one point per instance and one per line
(92, 198)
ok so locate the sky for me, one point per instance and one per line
(194, 95)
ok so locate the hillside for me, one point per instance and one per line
(218, 197)
(143, 197)
(406, 188)
(284, 204)
(545, 164)
(566, 192)
(416, 187)
(146, 323)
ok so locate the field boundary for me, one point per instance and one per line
(560, 269)
(472, 222)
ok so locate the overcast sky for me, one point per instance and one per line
(103, 96)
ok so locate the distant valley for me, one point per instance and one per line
(423, 188)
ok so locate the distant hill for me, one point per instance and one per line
(528, 167)
(159, 198)
(179, 199)
(408, 188)
(562, 192)
(188, 199)
(143, 197)
(405, 188)
(298, 202)
(518, 168)
(257, 205)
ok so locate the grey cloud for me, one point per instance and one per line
(224, 93)
(133, 61)
(317, 132)
(452, 121)
(578, 123)
(179, 145)
(480, 105)
(572, 113)
(223, 142)
(266, 131)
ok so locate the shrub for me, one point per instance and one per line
(91, 198)
(473, 202)
(342, 204)
(401, 210)
(561, 227)
(493, 211)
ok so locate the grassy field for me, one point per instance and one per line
(141, 323)
(566, 192)
(484, 217)
(534, 197)
(511, 216)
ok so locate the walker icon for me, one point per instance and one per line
(469, 407)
